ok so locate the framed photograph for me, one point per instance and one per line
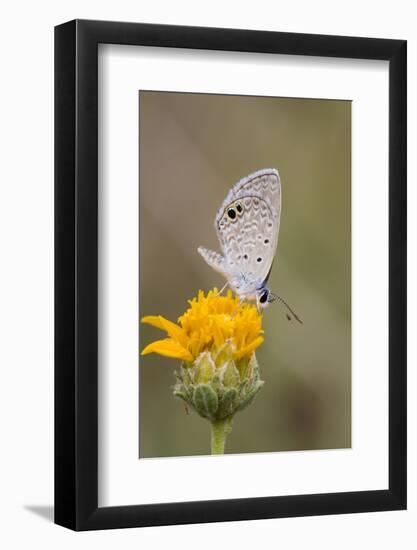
(230, 253)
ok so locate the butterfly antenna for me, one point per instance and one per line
(276, 297)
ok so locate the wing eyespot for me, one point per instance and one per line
(259, 259)
(266, 241)
(231, 212)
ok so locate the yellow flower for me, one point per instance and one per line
(208, 324)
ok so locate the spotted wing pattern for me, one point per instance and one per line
(264, 183)
(247, 232)
(247, 226)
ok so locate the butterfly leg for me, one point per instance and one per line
(223, 288)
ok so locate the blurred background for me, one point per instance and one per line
(193, 148)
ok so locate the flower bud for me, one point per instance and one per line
(216, 386)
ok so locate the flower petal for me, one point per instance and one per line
(172, 329)
(207, 324)
(168, 348)
(249, 348)
(153, 320)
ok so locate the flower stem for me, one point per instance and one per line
(220, 429)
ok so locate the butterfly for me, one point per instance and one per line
(247, 226)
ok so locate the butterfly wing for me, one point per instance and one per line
(265, 184)
(247, 224)
(214, 260)
(248, 234)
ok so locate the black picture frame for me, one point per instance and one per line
(76, 272)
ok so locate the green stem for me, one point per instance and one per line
(220, 429)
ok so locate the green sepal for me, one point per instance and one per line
(224, 355)
(186, 376)
(217, 391)
(250, 396)
(250, 368)
(227, 403)
(231, 376)
(181, 395)
(204, 368)
(205, 401)
(216, 383)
